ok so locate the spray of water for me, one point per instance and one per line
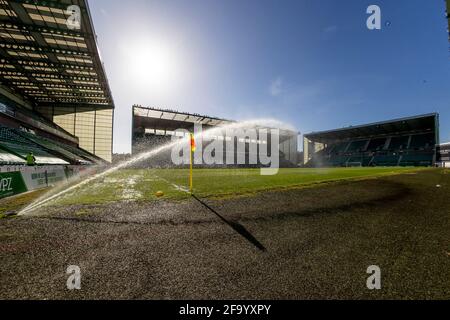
(58, 192)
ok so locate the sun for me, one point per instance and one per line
(152, 65)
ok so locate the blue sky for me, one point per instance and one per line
(312, 64)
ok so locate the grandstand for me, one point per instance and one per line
(55, 99)
(402, 142)
(153, 127)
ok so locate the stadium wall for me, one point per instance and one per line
(92, 125)
(15, 180)
(444, 155)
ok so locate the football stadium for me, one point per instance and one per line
(146, 228)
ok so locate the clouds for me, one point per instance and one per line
(276, 87)
(330, 29)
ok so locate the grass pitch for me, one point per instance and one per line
(319, 240)
(143, 184)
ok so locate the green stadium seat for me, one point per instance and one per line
(399, 143)
(386, 160)
(340, 147)
(422, 141)
(415, 160)
(7, 158)
(376, 144)
(364, 161)
(19, 146)
(339, 161)
(52, 146)
(358, 146)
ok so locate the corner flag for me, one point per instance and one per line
(193, 145)
(193, 148)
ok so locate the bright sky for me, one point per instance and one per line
(312, 64)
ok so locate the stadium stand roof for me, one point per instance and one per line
(45, 61)
(173, 120)
(417, 123)
(164, 119)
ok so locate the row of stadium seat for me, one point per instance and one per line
(417, 160)
(57, 148)
(386, 161)
(402, 143)
(380, 160)
(15, 145)
(8, 158)
(19, 146)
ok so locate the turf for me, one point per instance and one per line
(14, 204)
(142, 185)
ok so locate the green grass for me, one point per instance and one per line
(141, 185)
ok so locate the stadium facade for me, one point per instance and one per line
(55, 100)
(444, 155)
(152, 127)
(409, 141)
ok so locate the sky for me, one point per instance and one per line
(311, 64)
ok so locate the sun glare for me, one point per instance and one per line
(153, 66)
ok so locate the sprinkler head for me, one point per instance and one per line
(10, 214)
(159, 194)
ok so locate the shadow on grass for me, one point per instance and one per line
(235, 226)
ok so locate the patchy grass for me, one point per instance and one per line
(142, 185)
(320, 242)
(18, 202)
